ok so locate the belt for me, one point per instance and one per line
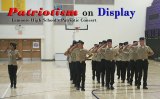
(111, 60)
(143, 59)
(11, 65)
(118, 60)
(82, 61)
(133, 60)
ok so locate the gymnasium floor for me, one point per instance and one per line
(50, 80)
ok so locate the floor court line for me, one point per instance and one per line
(9, 85)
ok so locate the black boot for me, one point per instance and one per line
(112, 88)
(107, 86)
(122, 81)
(11, 86)
(138, 86)
(77, 88)
(83, 89)
(102, 84)
(130, 83)
(145, 87)
(15, 87)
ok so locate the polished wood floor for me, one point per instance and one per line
(50, 80)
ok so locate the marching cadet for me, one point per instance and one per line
(70, 61)
(13, 54)
(143, 52)
(96, 64)
(133, 60)
(102, 66)
(119, 60)
(81, 65)
(100, 71)
(93, 62)
(70, 64)
(110, 54)
(72, 51)
(125, 60)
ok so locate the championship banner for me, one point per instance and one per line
(6, 4)
(20, 4)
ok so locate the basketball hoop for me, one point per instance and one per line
(19, 29)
